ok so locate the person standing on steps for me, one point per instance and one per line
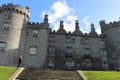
(19, 61)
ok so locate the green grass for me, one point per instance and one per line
(6, 72)
(102, 75)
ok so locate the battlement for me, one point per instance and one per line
(72, 34)
(33, 23)
(16, 9)
(105, 26)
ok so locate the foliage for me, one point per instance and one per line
(102, 75)
(6, 72)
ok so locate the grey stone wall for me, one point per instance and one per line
(113, 42)
(37, 60)
(94, 45)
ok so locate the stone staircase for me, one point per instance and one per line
(36, 74)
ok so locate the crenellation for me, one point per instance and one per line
(33, 23)
(106, 26)
(15, 8)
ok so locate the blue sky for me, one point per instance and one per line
(86, 11)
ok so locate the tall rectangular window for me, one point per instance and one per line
(33, 50)
(51, 50)
(102, 43)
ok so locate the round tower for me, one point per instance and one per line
(111, 31)
(12, 19)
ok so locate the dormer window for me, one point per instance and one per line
(35, 34)
(6, 26)
(2, 46)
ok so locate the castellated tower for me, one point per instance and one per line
(111, 32)
(12, 19)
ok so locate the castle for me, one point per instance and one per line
(42, 47)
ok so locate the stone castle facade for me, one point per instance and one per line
(40, 47)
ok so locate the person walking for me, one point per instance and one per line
(19, 61)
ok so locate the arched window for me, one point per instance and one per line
(6, 26)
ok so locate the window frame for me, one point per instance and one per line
(35, 33)
(6, 26)
(2, 48)
(32, 51)
(84, 41)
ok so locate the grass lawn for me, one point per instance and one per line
(102, 75)
(6, 72)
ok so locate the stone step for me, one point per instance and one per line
(36, 74)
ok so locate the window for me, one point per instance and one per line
(86, 64)
(35, 34)
(51, 63)
(6, 26)
(102, 43)
(86, 51)
(69, 50)
(84, 41)
(8, 16)
(52, 39)
(105, 65)
(103, 53)
(70, 40)
(2, 46)
(51, 50)
(69, 63)
(33, 50)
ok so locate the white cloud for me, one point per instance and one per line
(86, 23)
(61, 11)
(98, 30)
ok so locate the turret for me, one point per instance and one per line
(93, 33)
(46, 19)
(61, 29)
(76, 25)
(77, 31)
